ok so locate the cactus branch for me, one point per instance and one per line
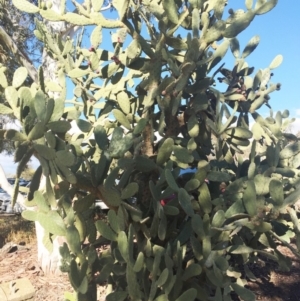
(286, 244)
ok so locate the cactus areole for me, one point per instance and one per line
(148, 109)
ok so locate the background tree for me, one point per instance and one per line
(19, 26)
(17, 43)
(173, 237)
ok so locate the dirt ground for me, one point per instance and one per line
(19, 260)
(275, 285)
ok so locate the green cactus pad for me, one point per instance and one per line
(106, 231)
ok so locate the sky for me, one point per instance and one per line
(279, 32)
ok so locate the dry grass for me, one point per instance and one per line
(16, 229)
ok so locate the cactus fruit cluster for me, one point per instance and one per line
(146, 112)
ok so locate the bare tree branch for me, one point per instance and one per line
(6, 40)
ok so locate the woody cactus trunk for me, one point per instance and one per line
(147, 111)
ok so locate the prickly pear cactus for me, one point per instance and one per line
(147, 111)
